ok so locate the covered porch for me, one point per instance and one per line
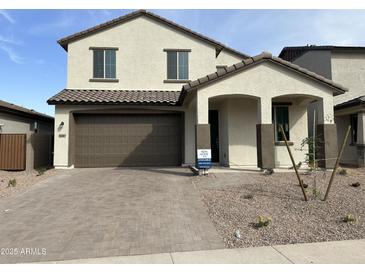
(237, 114)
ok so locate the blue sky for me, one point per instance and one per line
(33, 65)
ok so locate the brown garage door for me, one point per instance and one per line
(127, 140)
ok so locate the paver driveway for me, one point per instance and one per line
(84, 213)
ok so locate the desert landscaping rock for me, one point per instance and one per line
(279, 197)
(24, 180)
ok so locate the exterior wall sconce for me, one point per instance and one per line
(61, 125)
(35, 127)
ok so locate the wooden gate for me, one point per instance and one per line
(12, 151)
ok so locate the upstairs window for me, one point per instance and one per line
(353, 120)
(280, 116)
(177, 64)
(104, 64)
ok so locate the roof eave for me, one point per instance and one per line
(63, 42)
(265, 56)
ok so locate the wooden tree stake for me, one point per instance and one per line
(294, 165)
(337, 163)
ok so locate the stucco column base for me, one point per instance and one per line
(361, 155)
(265, 145)
(202, 138)
(326, 145)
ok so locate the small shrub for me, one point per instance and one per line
(342, 171)
(357, 184)
(316, 193)
(263, 221)
(247, 196)
(297, 166)
(349, 218)
(41, 171)
(268, 171)
(12, 183)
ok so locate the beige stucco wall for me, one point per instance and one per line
(348, 69)
(266, 81)
(242, 120)
(226, 58)
(141, 62)
(14, 124)
(189, 133)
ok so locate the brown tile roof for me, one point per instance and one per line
(98, 97)
(359, 101)
(15, 109)
(293, 53)
(263, 57)
(219, 46)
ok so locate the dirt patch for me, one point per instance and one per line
(235, 200)
(24, 180)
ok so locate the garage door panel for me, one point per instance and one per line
(128, 140)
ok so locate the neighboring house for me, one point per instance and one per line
(344, 65)
(137, 95)
(26, 138)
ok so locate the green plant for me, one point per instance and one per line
(357, 184)
(41, 171)
(247, 196)
(268, 171)
(309, 156)
(349, 218)
(298, 165)
(342, 171)
(316, 193)
(263, 221)
(12, 183)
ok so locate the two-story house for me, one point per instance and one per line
(145, 91)
(345, 65)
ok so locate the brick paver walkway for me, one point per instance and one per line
(87, 213)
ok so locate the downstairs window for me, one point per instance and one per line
(280, 116)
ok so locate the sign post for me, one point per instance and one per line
(204, 159)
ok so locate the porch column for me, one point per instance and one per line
(265, 134)
(202, 127)
(326, 135)
(360, 139)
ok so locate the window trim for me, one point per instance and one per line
(103, 48)
(177, 80)
(177, 50)
(104, 79)
(274, 106)
(110, 80)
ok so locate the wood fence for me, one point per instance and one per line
(13, 151)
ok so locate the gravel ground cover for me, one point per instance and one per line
(235, 200)
(24, 180)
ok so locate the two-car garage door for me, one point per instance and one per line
(111, 140)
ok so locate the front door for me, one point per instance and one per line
(214, 135)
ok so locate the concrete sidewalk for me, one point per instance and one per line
(338, 252)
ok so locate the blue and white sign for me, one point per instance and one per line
(204, 157)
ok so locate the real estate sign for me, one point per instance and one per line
(204, 158)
